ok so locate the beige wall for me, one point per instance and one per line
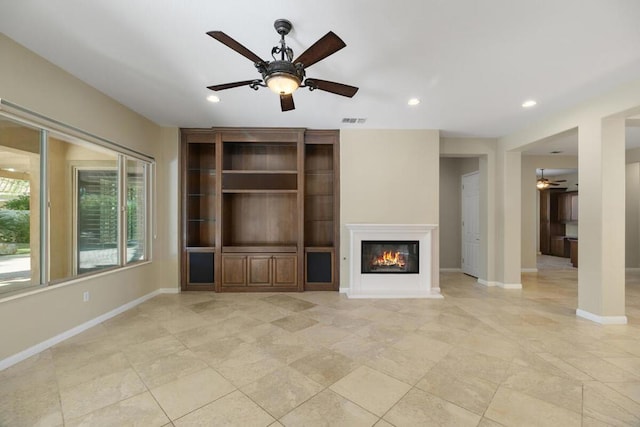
(387, 177)
(35, 84)
(451, 171)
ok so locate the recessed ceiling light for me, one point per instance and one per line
(414, 101)
(213, 98)
(528, 104)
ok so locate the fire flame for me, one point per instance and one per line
(389, 259)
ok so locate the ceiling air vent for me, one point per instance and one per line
(354, 120)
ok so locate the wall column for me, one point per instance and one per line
(508, 219)
(601, 278)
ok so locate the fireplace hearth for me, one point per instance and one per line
(390, 256)
(406, 255)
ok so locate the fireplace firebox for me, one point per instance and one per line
(390, 256)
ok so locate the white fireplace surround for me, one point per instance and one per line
(425, 284)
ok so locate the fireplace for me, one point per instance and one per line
(390, 256)
(393, 261)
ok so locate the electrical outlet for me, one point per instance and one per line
(85, 296)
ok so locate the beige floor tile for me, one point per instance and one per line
(191, 392)
(486, 422)
(289, 303)
(606, 405)
(152, 350)
(246, 364)
(265, 312)
(418, 408)
(570, 370)
(234, 409)
(294, 323)
(374, 391)
(281, 391)
(100, 392)
(559, 391)
(510, 407)
(529, 343)
(324, 366)
(418, 345)
(467, 391)
(602, 370)
(142, 408)
(33, 403)
(325, 335)
(329, 409)
(466, 362)
(382, 423)
(285, 346)
(402, 365)
(169, 368)
(99, 366)
(215, 352)
(631, 390)
(358, 348)
(629, 364)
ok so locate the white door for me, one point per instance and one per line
(471, 223)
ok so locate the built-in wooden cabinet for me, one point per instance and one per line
(568, 207)
(260, 209)
(558, 207)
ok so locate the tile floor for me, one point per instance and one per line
(480, 357)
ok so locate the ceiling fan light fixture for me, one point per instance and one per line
(542, 184)
(282, 83)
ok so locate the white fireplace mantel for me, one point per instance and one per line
(425, 284)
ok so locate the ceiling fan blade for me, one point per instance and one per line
(231, 85)
(333, 87)
(286, 102)
(233, 44)
(559, 180)
(327, 45)
(552, 183)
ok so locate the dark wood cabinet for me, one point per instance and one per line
(257, 201)
(568, 207)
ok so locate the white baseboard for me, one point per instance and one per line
(510, 285)
(40, 347)
(529, 270)
(450, 270)
(487, 283)
(490, 283)
(603, 320)
(343, 290)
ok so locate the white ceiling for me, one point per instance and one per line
(472, 63)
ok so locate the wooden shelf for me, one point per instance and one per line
(259, 205)
(259, 249)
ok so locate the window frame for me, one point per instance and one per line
(49, 128)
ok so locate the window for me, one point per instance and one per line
(136, 210)
(69, 206)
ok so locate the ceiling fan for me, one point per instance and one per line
(284, 75)
(544, 183)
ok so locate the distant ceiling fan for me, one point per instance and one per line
(544, 183)
(284, 75)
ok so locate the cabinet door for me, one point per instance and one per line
(259, 270)
(557, 246)
(234, 268)
(564, 207)
(285, 270)
(574, 207)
